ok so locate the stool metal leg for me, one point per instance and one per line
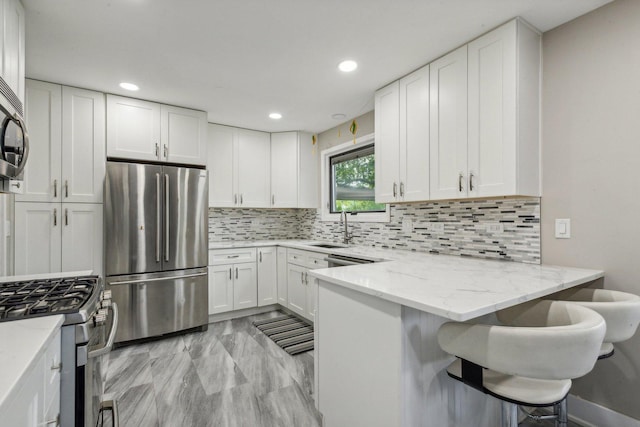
(509, 414)
(560, 409)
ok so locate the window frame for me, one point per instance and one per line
(325, 175)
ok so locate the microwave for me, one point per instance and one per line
(14, 141)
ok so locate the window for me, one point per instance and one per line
(353, 181)
(348, 182)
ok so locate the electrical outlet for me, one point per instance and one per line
(495, 227)
(436, 226)
(407, 225)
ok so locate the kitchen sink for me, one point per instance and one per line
(327, 245)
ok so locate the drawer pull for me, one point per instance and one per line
(233, 256)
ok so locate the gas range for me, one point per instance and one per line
(42, 297)
(87, 335)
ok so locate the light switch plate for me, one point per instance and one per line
(495, 227)
(563, 228)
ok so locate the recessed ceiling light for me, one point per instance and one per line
(338, 116)
(275, 116)
(348, 66)
(129, 86)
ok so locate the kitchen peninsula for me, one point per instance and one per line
(378, 362)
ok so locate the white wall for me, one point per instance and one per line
(591, 170)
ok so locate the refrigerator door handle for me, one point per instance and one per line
(158, 216)
(156, 279)
(166, 217)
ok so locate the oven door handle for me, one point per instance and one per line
(112, 336)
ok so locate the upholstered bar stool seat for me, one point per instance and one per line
(531, 363)
(620, 310)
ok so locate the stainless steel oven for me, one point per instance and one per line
(85, 347)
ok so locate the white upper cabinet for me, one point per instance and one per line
(83, 145)
(142, 130)
(133, 129)
(284, 170)
(67, 134)
(43, 173)
(414, 136)
(254, 169)
(294, 170)
(387, 145)
(465, 125)
(12, 43)
(221, 166)
(183, 135)
(239, 164)
(402, 139)
(503, 76)
(448, 122)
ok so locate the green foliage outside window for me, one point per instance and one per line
(355, 185)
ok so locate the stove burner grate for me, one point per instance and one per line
(34, 298)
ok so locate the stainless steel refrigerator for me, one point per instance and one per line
(156, 247)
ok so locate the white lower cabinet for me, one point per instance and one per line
(301, 288)
(297, 290)
(36, 401)
(245, 286)
(233, 281)
(220, 288)
(267, 276)
(282, 276)
(53, 237)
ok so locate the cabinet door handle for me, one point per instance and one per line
(236, 272)
(57, 367)
(55, 188)
(66, 188)
(157, 149)
(260, 256)
(460, 182)
(273, 199)
(230, 273)
(166, 151)
(66, 217)
(306, 278)
(55, 217)
(395, 189)
(241, 198)
(302, 277)
(235, 199)
(401, 189)
(471, 182)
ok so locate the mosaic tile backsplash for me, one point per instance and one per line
(449, 227)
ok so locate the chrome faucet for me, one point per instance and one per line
(347, 236)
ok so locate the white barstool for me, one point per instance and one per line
(531, 363)
(620, 310)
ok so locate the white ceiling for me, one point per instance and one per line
(242, 59)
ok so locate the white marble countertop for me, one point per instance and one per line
(458, 288)
(21, 344)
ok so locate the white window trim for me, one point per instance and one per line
(325, 156)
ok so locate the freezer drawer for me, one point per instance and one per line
(159, 303)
